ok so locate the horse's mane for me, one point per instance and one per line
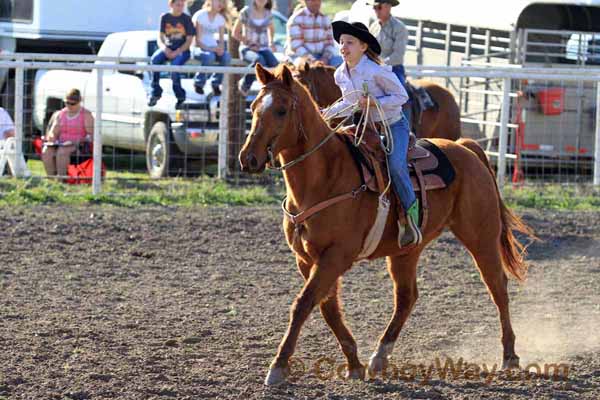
(321, 66)
(300, 91)
(313, 65)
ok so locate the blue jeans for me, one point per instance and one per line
(265, 57)
(210, 58)
(399, 71)
(159, 57)
(398, 164)
(401, 74)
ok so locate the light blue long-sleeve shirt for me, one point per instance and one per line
(382, 84)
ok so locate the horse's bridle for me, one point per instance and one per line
(299, 218)
(272, 162)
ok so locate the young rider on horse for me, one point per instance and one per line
(363, 67)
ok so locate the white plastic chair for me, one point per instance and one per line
(8, 155)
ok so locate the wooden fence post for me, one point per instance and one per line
(236, 120)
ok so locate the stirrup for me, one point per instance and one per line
(409, 234)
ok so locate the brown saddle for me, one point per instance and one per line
(422, 163)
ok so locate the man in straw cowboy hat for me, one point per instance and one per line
(391, 34)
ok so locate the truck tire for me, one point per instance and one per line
(162, 155)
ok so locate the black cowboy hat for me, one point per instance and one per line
(357, 30)
(394, 3)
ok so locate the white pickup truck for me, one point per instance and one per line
(170, 138)
(173, 140)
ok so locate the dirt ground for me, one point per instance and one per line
(157, 303)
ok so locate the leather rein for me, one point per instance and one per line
(302, 216)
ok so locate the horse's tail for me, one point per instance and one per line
(513, 251)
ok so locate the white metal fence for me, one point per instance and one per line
(116, 90)
(506, 94)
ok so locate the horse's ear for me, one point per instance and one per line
(306, 67)
(263, 75)
(286, 74)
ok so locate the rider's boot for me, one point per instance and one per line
(411, 234)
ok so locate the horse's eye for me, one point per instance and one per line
(281, 112)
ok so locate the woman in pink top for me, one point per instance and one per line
(70, 127)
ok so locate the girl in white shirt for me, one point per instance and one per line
(362, 65)
(210, 23)
(255, 30)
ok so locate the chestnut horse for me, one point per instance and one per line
(287, 129)
(443, 122)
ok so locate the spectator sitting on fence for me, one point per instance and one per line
(7, 126)
(255, 31)
(7, 130)
(174, 40)
(210, 23)
(71, 127)
(309, 35)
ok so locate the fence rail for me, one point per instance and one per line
(500, 116)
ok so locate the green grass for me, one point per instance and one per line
(126, 193)
(554, 197)
(130, 189)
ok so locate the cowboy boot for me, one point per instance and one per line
(411, 234)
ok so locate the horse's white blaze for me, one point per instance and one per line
(267, 102)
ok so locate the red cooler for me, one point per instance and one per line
(552, 100)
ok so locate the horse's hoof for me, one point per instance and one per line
(376, 365)
(276, 376)
(356, 373)
(511, 362)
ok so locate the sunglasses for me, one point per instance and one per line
(72, 103)
(377, 7)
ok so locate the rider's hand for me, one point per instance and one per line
(363, 102)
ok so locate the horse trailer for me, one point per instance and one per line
(73, 26)
(552, 122)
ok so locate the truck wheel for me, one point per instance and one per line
(161, 152)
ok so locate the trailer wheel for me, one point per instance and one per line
(162, 156)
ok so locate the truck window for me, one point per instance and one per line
(152, 47)
(134, 47)
(16, 10)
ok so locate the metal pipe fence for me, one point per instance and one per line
(534, 122)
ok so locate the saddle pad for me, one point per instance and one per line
(442, 175)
